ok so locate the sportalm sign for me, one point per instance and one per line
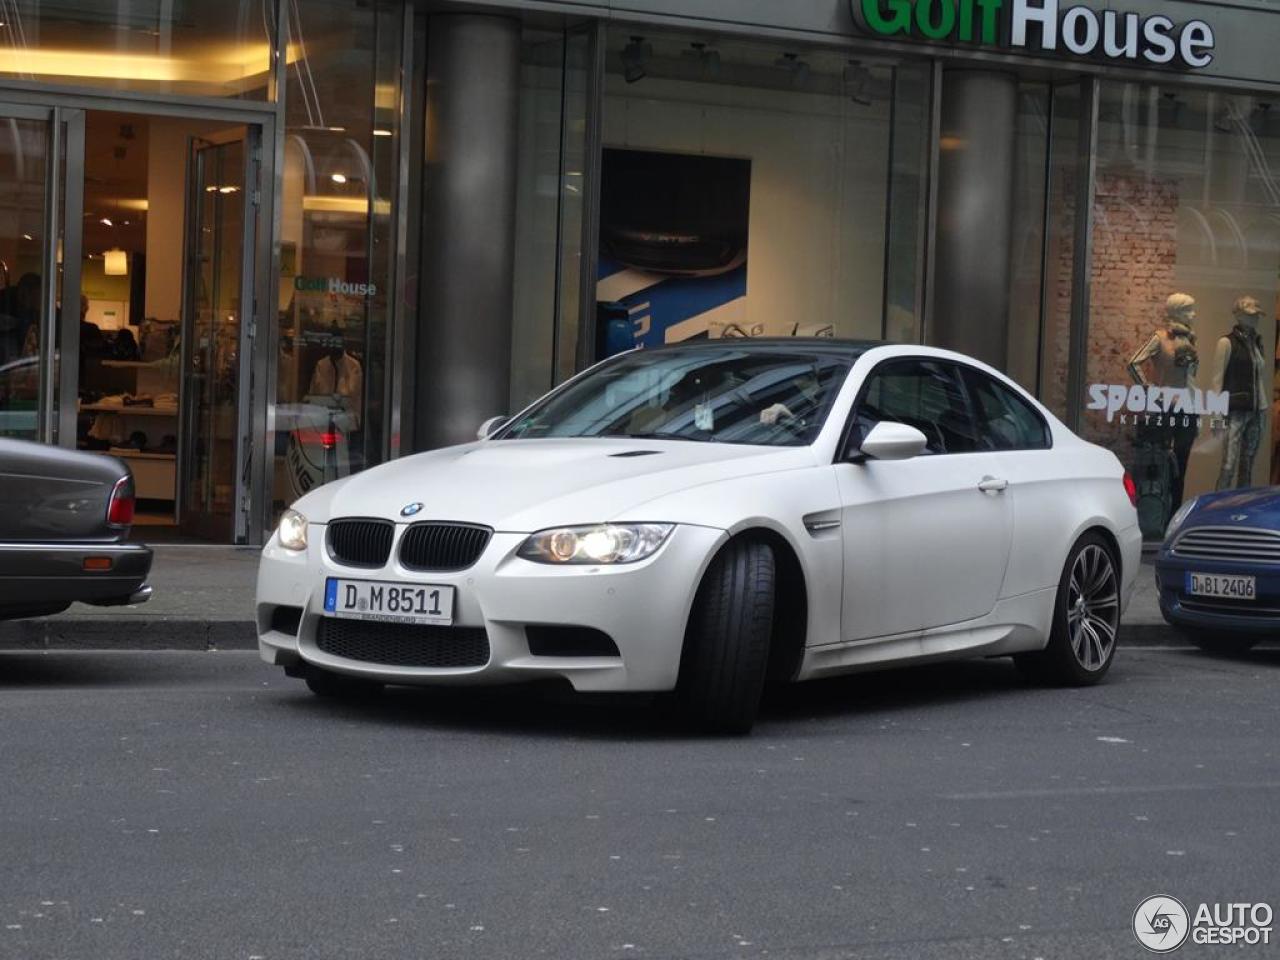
(1042, 27)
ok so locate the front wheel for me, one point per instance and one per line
(1086, 619)
(726, 649)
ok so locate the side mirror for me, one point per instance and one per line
(893, 441)
(490, 427)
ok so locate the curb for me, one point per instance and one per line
(127, 633)
(120, 633)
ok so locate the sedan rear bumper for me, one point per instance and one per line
(42, 577)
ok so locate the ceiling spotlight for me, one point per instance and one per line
(797, 68)
(857, 80)
(708, 60)
(635, 59)
(106, 222)
(338, 178)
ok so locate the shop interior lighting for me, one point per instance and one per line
(338, 178)
(635, 59)
(106, 222)
(115, 262)
(380, 132)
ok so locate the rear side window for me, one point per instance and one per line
(1005, 420)
(923, 394)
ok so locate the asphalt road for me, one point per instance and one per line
(196, 805)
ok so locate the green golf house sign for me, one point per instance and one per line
(1042, 28)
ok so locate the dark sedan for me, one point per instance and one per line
(64, 520)
(1219, 569)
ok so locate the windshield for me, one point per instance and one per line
(716, 394)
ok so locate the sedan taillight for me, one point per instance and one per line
(1130, 488)
(120, 509)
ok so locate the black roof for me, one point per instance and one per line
(850, 349)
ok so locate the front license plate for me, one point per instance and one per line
(388, 602)
(1225, 588)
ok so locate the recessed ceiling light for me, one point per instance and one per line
(106, 222)
(339, 178)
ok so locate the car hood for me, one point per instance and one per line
(1259, 507)
(519, 486)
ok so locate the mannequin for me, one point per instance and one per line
(339, 374)
(1241, 369)
(1170, 359)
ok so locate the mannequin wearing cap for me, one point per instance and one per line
(1240, 369)
(1170, 359)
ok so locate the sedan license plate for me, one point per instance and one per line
(1222, 587)
(388, 602)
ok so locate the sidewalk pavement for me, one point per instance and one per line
(203, 600)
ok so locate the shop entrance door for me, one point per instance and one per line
(215, 446)
(41, 156)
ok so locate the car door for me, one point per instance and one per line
(926, 540)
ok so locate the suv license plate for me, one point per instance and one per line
(388, 602)
(1222, 587)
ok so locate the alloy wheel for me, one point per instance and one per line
(1093, 607)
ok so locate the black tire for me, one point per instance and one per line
(726, 648)
(1225, 644)
(1086, 619)
(338, 686)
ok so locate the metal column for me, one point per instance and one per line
(468, 231)
(975, 214)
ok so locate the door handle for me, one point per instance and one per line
(993, 485)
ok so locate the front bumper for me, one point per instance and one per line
(39, 575)
(643, 608)
(1260, 616)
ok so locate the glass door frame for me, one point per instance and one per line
(65, 188)
(60, 247)
(250, 136)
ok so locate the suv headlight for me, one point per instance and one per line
(1180, 518)
(292, 532)
(605, 543)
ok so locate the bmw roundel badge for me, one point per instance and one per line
(411, 510)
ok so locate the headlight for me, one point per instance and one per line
(1180, 518)
(604, 543)
(293, 531)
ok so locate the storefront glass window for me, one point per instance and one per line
(336, 267)
(211, 48)
(23, 168)
(1185, 275)
(549, 210)
(746, 191)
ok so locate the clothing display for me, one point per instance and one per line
(1244, 437)
(1169, 359)
(1170, 356)
(1243, 369)
(343, 378)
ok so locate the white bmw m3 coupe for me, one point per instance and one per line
(709, 518)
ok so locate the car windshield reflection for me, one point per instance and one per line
(711, 395)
